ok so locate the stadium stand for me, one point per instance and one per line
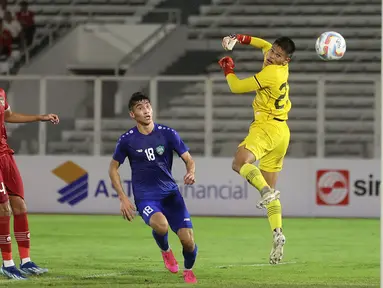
(349, 104)
(55, 18)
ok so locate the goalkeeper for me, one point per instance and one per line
(269, 134)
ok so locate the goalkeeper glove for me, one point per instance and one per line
(243, 39)
(227, 65)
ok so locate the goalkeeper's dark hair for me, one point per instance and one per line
(286, 44)
(137, 97)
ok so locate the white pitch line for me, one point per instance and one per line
(50, 278)
(255, 265)
(91, 276)
(118, 273)
(115, 274)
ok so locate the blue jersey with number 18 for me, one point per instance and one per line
(151, 158)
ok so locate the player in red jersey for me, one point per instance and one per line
(12, 197)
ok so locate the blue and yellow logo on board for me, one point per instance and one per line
(76, 178)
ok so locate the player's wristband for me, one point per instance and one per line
(228, 70)
(243, 39)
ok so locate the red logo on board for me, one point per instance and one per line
(333, 187)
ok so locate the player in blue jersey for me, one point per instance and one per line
(149, 148)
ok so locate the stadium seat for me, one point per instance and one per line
(289, 9)
(283, 21)
(272, 32)
(88, 11)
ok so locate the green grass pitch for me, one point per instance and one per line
(106, 251)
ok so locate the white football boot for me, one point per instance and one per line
(268, 197)
(276, 253)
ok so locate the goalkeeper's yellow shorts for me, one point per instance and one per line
(268, 140)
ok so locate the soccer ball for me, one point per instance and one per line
(330, 46)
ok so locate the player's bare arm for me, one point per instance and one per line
(128, 210)
(189, 178)
(13, 117)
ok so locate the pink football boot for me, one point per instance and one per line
(170, 261)
(189, 276)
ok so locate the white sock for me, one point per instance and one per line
(166, 250)
(25, 260)
(8, 263)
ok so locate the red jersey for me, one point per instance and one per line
(4, 148)
(26, 18)
(6, 41)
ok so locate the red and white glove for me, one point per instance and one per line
(227, 65)
(228, 43)
(241, 38)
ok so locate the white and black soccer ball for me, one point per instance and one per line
(330, 46)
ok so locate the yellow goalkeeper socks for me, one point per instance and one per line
(274, 213)
(274, 210)
(254, 176)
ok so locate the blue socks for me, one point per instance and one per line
(162, 240)
(190, 257)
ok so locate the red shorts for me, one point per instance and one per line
(10, 178)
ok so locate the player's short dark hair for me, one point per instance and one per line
(286, 44)
(137, 97)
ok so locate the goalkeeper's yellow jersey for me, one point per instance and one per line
(270, 85)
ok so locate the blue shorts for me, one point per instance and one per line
(173, 207)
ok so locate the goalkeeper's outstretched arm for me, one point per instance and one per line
(239, 86)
